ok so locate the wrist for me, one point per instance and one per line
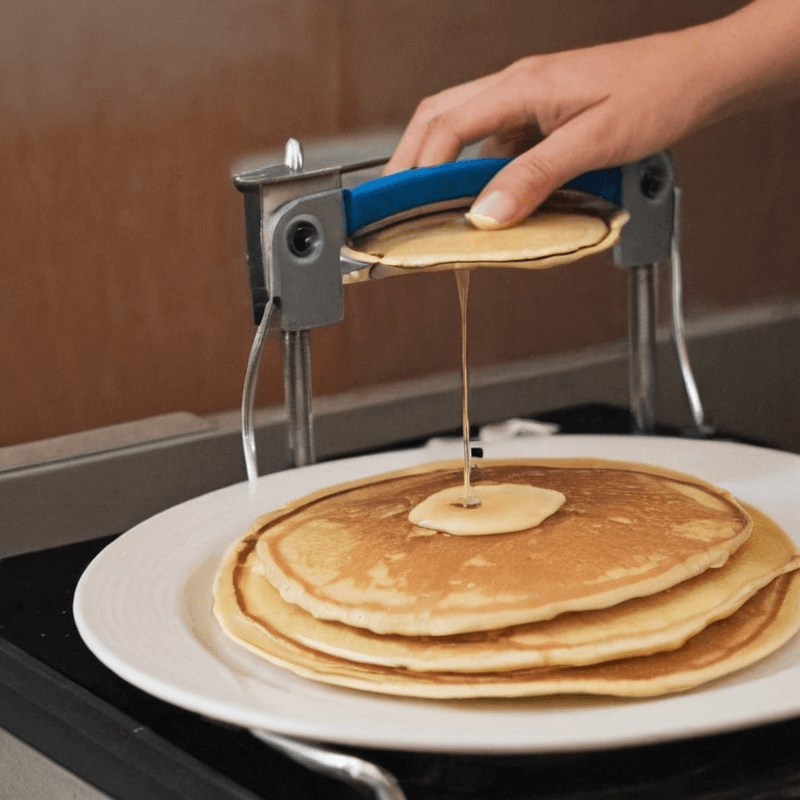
(753, 57)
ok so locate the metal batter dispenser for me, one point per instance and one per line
(297, 222)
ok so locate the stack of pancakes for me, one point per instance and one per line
(644, 582)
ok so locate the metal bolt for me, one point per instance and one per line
(293, 155)
(303, 238)
(651, 183)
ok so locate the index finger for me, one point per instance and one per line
(419, 129)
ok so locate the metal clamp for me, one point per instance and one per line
(646, 241)
(296, 226)
(652, 237)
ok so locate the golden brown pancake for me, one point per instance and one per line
(759, 627)
(640, 626)
(568, 227)
(349, 553)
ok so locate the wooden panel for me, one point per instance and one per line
(125, 289)
(125, 292)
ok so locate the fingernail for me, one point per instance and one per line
(492, 211)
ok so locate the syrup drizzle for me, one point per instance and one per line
(469, 499)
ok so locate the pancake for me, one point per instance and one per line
(764, 623)
(637, 627)
(349, 553)
(569, 226)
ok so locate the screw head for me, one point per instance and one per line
(303, 238)
(651, 183)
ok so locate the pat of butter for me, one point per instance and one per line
(504, 508)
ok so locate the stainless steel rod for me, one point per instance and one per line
(249, 393)
(359, 772)
(642, 313)
(678, 322)
(297, 389)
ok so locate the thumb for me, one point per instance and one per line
(527, 181)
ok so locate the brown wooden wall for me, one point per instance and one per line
(124, 292)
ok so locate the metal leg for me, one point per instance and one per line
(249, 393)
(679, 327)
(342, 766)
(642, 312)
(297, 388)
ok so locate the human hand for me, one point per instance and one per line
(566, 113)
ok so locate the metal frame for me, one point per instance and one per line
(295, 232)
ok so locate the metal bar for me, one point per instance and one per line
(297, 390)
(358, 772)
(249, 393)
(642, 313)
(678, 323)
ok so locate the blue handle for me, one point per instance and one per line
(392, 194)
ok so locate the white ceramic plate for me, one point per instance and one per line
(143, 606)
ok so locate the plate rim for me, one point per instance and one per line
(672, 724)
